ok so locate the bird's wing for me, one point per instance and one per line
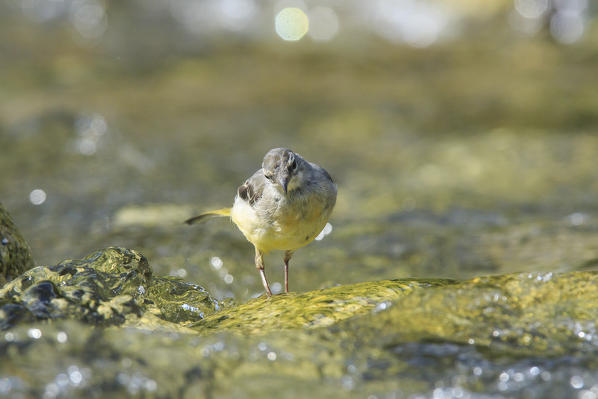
(250, 191)
(253, 188)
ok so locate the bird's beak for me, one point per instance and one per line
(284, 182)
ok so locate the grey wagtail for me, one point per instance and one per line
(283, 206)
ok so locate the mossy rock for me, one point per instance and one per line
(382, 337)
(531, 313)
(311, 309)
(109, 287)
(181, 301)
(15, 255)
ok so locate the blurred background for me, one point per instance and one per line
(462, 134)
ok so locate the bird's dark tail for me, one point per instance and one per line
(208, 215)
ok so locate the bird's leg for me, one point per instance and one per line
(259, 263)
(287, 258)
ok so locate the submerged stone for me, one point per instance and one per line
(15, 255)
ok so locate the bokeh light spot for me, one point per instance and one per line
(531, 8)
(567, 27)
(291, 24)
(276, 287)
(37, 196)
(418, 24)
(323, 24)
(216, 262)
(62, 337)
(34, 333)
(89, 18)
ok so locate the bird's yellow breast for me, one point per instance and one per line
(288, 228)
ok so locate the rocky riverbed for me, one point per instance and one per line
(107, 325)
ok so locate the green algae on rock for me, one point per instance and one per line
(104, 289)
(535, 314)
(312, 309)
(389, 337)
(180, 301)
(385, 338)
(15, 255)
(407, 338)
(109, 287)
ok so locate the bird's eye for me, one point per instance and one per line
(269, 177)
(294, 165)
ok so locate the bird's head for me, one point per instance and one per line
(284, 168)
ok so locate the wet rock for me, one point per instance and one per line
(109, 287)
(534, 314)
(518, 335)
(312, 309)
(15, 255)
(103, 289)
(180, 301)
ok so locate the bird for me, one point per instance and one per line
(284, 205)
